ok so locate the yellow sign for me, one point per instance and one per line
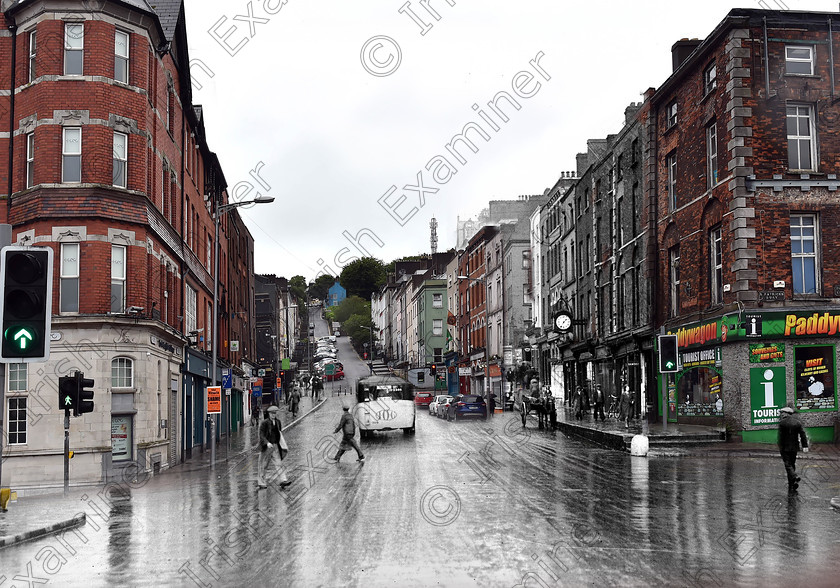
(214, 399)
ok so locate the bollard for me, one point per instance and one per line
(639, 446)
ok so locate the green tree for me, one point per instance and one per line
(320, 287)
(297, 285)
(355, 327)
(350, 306)
(363, 277)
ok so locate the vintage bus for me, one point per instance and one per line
(384, 403)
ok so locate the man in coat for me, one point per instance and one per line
(625, 406)
(269, 448)
(791, 432)
(347, 426)
(598, 403)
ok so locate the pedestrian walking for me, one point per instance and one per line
(791, 433)
(347, 426)
(598, 401)
(491, 405)
(271, 449)
(552, 412)
(294, 402)
(625, 406)
(577, 403)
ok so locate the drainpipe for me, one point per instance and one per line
(831, 54)
(13, 29)
(766, 60)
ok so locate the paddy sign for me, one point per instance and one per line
(767, 394)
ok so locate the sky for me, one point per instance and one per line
(342, 111)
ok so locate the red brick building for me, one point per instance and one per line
(743, 175)
(109, 165)
(472, 317)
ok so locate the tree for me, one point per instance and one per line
(320, 287)
(350, 306)
(297, 285)
(363, 277)
(357, 328)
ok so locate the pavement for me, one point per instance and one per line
(32, 517)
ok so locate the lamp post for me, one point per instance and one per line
(370, 358)
(486, 342)
(220, 210)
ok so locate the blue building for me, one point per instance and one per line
(336, 294)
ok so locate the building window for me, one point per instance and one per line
(671, 114)
(33, 49)
(71, 155)
(801, 144)
(634, 202)
(120, 159)
(712, 154)
(121, 57)
(74, 48)
(716, 260)
(710, 79)
(17, 420)
(190, 305)
(674, 269)
(118, 279)
(122, 373)
(18, 377)
(672, 181)
(69, 278)
(799, 60)
(437, 300)
(437, 327)
(803, 248)
(438, 354)
(30, 160)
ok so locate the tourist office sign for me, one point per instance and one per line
(767, 394)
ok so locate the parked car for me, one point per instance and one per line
(423, 399)
(438, 403)
(337, 375)
(466, 406)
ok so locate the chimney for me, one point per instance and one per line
(682, 49)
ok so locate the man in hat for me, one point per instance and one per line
(791, 432)
(347, 426)
(270, 448)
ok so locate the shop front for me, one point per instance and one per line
(740, 370)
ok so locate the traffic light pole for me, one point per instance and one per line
(5, 239)
(66, 451)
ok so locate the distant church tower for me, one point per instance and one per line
(433, 225)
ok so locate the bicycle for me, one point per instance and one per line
(613, 409)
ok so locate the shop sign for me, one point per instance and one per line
(768, 394)
(815, 377)
(464, 371)
(767, 352)
(699, 357)
(121, 438)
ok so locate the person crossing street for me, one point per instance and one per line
(270, 448)
(347, 426)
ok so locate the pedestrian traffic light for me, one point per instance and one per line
(668, 354)
(84, 402)
(26, 303)
(67, 393)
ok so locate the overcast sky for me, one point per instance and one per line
(340, 101)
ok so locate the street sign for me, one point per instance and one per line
(227, 378)
(286, 363)
(256, 388)
(279, 383)
(261, 372)
(329, 369)
(214, 399)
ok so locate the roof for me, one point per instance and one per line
(168, 12)
(382, 381)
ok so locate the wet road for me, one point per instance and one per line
(457, 504)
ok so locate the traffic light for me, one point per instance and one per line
(26, 303)
(668, 354)
(84, 401)
(67, 393)
(432, 370)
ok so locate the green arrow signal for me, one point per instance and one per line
(669, 364)
(21, 337)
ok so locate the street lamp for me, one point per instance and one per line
(370, 358)
(220, 210)
(486, 342)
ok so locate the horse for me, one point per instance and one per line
(541, 404)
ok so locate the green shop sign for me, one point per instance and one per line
(768, 394)
(758, 325)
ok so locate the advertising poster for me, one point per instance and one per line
(815, 378)
(121, 438)
(768, 394)
(767, 352)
